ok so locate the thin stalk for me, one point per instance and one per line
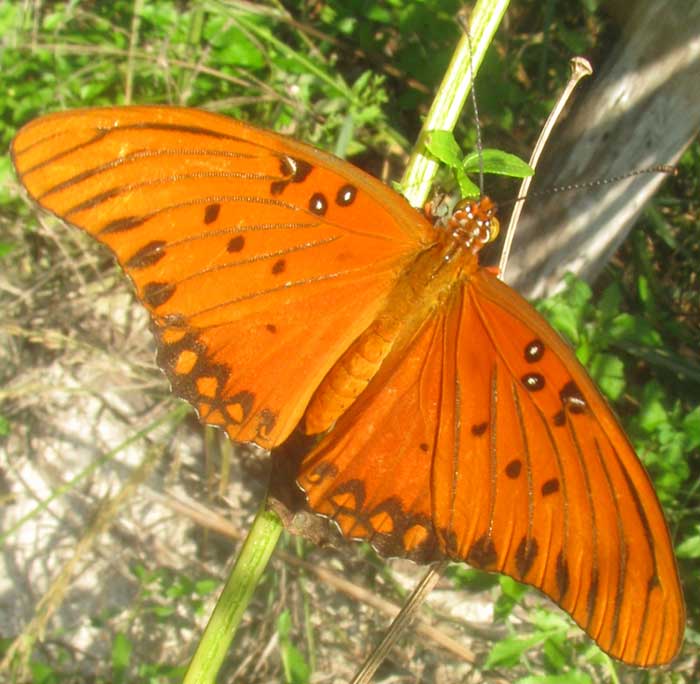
(450, 98)
(401, 621)
(234, 599)
(580, 68)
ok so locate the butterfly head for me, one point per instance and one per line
(469, 224)
(473, 223)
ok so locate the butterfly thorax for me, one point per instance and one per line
(422, 288)
(468, 226)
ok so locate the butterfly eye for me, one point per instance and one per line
(495, 228)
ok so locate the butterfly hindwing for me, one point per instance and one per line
(247, 248)
(372, 472)
(489, 427)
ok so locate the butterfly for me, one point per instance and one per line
(291, 293)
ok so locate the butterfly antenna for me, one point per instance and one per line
(657, 168)
(580, 67)
(400, 622)
(463, 21)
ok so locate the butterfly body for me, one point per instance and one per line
(287, 288)
(423, 288)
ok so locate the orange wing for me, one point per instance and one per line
(260, 259)
(489, 443)
(372, 473)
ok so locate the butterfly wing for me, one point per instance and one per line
(546, 487)
(372, 472)
(489, 443)
(259, 258)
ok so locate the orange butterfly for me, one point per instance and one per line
(288, 289)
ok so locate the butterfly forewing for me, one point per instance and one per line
(248, 249)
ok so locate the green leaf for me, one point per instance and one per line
(551, 620)
(511, 593)
(497, 162)
(691, 428)
(573, 677)
(296, 669)
(205, 587)
(652, 413)
(467, 188)
(443, 146)
(472, 579)
(512, 588)
(557, 650)
(43, 674)
(6, 248)
(564, 319)
(567, 310)
(690, 547)
(609, 302)
(609, 372)
(508, 651)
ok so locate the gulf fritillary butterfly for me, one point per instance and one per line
(288, 288)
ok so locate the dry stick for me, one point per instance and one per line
(133, 43)
(403, 619)
(580, 67)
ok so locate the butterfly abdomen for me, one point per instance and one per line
(351, 375)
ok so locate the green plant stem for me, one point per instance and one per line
(234, 599)
(451, 96)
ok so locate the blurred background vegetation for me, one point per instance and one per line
(353, 77)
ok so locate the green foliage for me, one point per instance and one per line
(122, 649)
(443, 146)
(163, 592)
(281, 85)
(471, 579)
(575, 677)
(296, 669)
